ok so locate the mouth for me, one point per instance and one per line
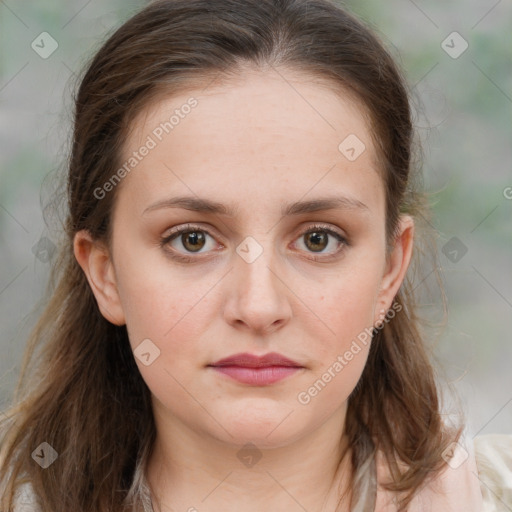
(257, 370)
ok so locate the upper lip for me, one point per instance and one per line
(253, 361)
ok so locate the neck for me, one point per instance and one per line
(191, 471)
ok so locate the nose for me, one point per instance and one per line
(258, 299)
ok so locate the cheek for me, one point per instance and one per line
(347, 309)
(169, 306)
(171, 314)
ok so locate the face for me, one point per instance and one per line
(264, 265)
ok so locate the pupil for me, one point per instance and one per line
(193, 240)
(319, 240)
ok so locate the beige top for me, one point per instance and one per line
(477, 478)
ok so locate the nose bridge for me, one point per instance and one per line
(258, 295)
(256, 263)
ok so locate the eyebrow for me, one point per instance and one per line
(202, 205)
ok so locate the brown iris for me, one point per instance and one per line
(193, 240)
(319, 240)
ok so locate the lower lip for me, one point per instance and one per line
(257, 376)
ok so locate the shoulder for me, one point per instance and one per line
(477, 478)
(25, 499)
(493, 454)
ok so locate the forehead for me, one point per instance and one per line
(256, 130)
(266, 101)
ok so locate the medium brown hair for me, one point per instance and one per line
(79, 389)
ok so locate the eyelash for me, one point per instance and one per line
(187, 228)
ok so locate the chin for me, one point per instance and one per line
(263, 430)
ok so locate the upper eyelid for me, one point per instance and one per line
(184, 228)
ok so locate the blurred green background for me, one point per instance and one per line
(463, 116)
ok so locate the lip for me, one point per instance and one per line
(257, 370)
(247, 360)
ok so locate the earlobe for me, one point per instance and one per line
(96, 262)
(397, 264)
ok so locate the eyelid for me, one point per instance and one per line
(183, 228)
(188, 227)
(324, 227)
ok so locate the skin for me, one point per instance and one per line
(255, 143)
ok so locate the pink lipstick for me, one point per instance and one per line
(257, 370)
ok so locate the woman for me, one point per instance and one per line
(234, 325)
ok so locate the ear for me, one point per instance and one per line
(96, 262)
(397, 263)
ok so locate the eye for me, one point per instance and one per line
(319, 238)
(190, 239)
